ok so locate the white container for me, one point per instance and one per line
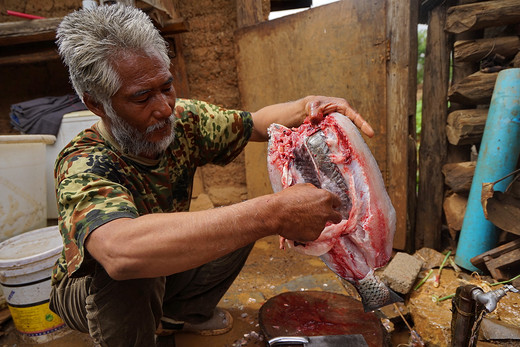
(26, 263)
(23, 205)
(71, 125)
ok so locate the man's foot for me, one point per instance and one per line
(220, 323)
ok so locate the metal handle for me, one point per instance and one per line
(287, 340)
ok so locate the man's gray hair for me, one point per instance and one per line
(91, 40)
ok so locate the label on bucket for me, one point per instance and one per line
(35, 320)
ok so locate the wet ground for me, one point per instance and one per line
(270, 271)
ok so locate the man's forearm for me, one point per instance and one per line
(161, 244)
(290, 114)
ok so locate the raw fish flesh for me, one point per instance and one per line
(333, 155)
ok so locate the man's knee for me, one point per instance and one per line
(67, 300)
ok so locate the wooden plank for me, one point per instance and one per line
(481, 15)
(401, 29)
(476, 50)
(12, 33)
(476, 89)
(432, 152)
(466, 126)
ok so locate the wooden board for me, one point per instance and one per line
(333, 50)
(316, 313)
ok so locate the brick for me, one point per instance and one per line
(401, 272)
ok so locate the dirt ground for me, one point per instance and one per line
(270, 271)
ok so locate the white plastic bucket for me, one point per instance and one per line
(22, 183)
(26, 263)
(71, 125)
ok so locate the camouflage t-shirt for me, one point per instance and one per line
(96, 183)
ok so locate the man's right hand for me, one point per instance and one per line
(305, 212)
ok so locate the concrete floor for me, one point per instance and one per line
(269, 271)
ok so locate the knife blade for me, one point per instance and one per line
(356, 340)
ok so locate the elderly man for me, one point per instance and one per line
(134, 260)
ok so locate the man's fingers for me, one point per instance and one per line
(359, 121)
(318, 110)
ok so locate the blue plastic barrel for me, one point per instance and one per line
(498, 156)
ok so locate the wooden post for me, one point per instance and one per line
(432, 153)
(249, 12)
(401, 101)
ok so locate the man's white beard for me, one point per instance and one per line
(133, 142)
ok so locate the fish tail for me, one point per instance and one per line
(374, 293)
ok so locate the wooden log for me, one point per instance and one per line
(476, 50)
(454, 207)
(460, 70)
(466, 126)
(458, 176)
(481, 15)
(432, 152)
(476, 89)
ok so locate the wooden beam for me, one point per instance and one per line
(481, 15)
(476, 50)
(13, 33)
(433, 149)
(173, 26)
(249, 12)
(28, 58)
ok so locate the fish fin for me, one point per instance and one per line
(374, 293)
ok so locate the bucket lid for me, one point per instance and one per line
(38, 138)
(30, 247)
(80, 114)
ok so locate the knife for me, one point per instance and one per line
(356, 340)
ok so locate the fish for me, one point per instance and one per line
(332, 155)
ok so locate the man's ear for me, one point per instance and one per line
(94, 106)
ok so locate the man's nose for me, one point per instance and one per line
(163, 107)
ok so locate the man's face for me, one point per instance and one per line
(141, 118)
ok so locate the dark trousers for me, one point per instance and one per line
(127, 313)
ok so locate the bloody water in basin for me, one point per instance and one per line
(315, 313)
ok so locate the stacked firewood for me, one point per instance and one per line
(486, 42)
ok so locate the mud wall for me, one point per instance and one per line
(209, 54)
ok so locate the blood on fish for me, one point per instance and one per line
(332, 155)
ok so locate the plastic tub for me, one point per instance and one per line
(26, 263)
(23, 205)
(71, 125)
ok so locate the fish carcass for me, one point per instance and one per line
(333, 155)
